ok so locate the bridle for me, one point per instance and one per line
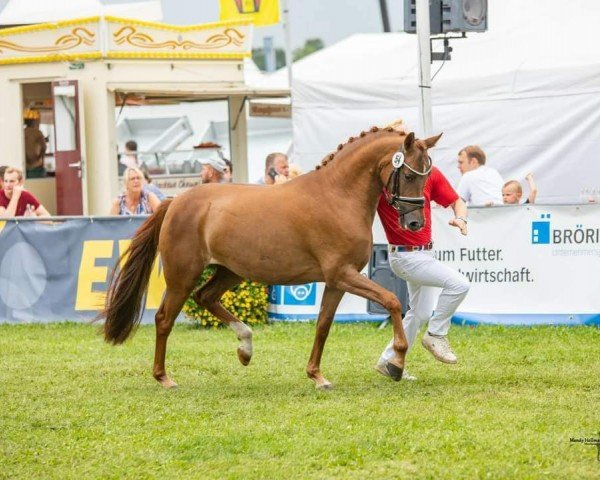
(404, 204)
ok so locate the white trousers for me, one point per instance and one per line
(424, 274)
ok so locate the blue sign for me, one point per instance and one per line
(540, 231)
(293, 295)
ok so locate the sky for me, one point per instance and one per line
(329, 20)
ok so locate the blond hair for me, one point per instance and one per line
(128, 170)
(398, 125)
(514, 183)
(14, 170)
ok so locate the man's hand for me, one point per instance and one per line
(29, 211)
(460, 224)
(17, 190)
(280, 179)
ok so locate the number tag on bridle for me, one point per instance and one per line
(398, 159)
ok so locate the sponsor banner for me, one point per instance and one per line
(302, 303)
(527, 265)
(58, 271)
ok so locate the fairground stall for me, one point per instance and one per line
(76, 72)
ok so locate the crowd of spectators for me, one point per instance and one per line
(480, 184)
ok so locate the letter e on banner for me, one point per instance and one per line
(156, 286)
(89, 274)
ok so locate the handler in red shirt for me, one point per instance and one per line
(411, 258)
(15, 201)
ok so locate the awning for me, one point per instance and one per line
(164, 93)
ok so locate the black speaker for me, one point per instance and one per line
(381, 273)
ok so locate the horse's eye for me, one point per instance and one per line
(410, 177)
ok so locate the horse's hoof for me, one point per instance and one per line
(394, 371)
(167, 383)
(243, 356)
(325, 387)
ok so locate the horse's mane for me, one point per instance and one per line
(396, 126)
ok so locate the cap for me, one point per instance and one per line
(216, 163)
(31, 114)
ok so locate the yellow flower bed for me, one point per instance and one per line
(248, 302)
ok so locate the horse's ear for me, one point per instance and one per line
(431, 141)
(409, 141)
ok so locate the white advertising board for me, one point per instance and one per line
(527, 265)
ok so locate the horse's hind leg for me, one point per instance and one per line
(165, 317)
(329, 304)
(209, 297)
(180, 284)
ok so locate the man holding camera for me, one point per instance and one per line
(277, 169)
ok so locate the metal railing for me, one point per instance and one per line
(172, 162)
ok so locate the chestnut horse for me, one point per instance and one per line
(317, 227)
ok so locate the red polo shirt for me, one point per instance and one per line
(438, 189)
(25, 199)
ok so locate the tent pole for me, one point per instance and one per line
(423, 32)
(238, 137)
(385, 19)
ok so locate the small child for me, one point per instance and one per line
(512, 191)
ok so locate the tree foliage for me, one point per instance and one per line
(258, 55)
(310, 46)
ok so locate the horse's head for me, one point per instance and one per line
(404, 176)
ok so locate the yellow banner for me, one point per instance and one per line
(259, 12)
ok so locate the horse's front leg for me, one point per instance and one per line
(352, 281)
(329, 303)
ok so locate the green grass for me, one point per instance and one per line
(73, 407)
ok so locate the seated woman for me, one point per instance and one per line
(134, 200)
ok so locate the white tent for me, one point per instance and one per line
(24, 12)
(527, 91)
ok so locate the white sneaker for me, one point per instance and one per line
(382, 368)
(439, 347)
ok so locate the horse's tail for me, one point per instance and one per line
(127, 285)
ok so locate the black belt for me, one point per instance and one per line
(410, 248)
